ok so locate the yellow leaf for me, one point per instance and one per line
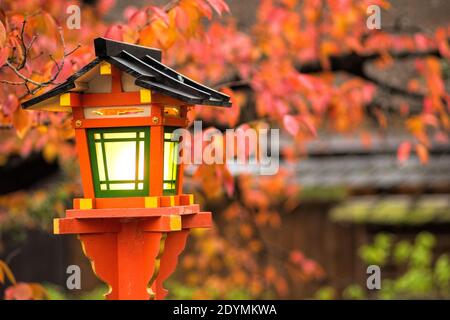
(7, 271)
(50, 152)
(39, 291)
(3, 159)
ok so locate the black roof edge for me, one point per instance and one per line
(110, 48)
(172, 73)
(68, 84)
(62, 88)
(163, 76)
(146, 82)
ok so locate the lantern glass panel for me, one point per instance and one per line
(170, 163)
(120, 161)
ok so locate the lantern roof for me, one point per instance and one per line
(144, 65)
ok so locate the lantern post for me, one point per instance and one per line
(133, 220)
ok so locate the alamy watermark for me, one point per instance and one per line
(373, 21)
(73, 20)
(373, 281)
(73, 281)
(257, 149)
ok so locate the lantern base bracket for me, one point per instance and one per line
(133, 253)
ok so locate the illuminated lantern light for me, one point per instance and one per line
(125, 106)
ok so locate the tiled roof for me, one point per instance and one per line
(143, 64)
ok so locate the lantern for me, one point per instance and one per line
(134, 219)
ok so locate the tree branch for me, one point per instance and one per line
(26, 81)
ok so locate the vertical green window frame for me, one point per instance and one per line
(170, 172)
(120, 160)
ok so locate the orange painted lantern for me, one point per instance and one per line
(134, 219)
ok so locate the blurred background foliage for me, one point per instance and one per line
(423, 275)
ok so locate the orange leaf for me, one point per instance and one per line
(21, 121)
(422, 153)
(38, 290)
(147, 36)
(5, 270)
(307, 122)
(2, 35)
(4, 54)
(290, 3)
(237, 100)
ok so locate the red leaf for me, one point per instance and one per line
(368, 92)
(20, 291)
(204, 8)
(115, 32)
(161, 14)
(297, 257)
(181, 19)
(129, 12)
(219, 6)
(10, 105)
(291, 124)
(421, 41)
(403, 152)
(441, 137)
(228, 182)
(136, 17)
(4, 54)
(306, 81)
(104, 6)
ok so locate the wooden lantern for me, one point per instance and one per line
(134, 219)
